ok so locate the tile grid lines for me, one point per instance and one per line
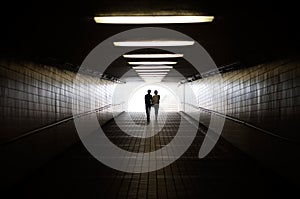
(225, 172)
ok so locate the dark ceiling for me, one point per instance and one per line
(243, 31)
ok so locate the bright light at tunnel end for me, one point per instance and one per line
(169, 101)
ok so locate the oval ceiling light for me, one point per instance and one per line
(152, 55)
(152, 19)
(153, 43)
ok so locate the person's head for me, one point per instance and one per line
(149, 91)
(155, 92)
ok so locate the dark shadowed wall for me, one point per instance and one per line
(34, 96)
(267, 97)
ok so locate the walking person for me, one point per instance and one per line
(148, 104)
(155, 100)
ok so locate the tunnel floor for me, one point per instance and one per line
(224, 173)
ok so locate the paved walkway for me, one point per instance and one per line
(224, 173)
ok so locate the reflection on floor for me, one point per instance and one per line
(224, 173)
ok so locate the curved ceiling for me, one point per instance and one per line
(244, 31)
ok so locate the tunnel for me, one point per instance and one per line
(149, 99)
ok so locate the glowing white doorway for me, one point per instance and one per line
(168, 100)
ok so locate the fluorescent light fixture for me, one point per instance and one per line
(152, 19)
(156, 76)
(152, 73)
(154, 70)
(152, 62)
(152, 80)
(152, 67)
(152, 77)
(153, 55)
(153, 43)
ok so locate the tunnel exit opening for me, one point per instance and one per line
(168, 100)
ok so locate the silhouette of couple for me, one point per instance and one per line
(152, 101)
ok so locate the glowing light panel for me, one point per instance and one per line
(152, 19)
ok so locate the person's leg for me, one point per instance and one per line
(156, 107)
(148, 113)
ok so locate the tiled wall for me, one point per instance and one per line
(34, 95)
(267, 95)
